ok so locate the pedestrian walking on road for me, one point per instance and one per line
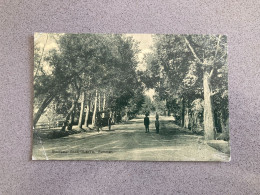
(157, 115)
(146, 123)
(157, 123)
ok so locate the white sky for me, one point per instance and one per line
(41, 38)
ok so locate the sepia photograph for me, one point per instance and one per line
(133, 97)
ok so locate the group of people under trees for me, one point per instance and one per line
(147, 123)
(100, 123)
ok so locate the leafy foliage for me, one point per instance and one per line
(176, 67)
(90, 62)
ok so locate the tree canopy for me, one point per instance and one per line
(190, 73)
(88, 63)
(100, 72)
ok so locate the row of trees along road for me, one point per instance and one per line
(189, 72)
(97, 70)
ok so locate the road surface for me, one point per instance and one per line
(130, 142)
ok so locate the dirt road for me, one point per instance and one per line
(130, 142)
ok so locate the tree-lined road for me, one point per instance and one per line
(130, 142)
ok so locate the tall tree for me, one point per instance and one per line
(82, 107)
(102, 63)
(185, 67)
(95, 109)
(211, 48)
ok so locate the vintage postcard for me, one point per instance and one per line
(134, 97)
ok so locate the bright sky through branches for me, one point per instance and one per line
(145, 43)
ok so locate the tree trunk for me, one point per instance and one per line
(222, 124)
(104, 105)
(186, 118)
(99, 103)
(82, 107)
(182, 112)
(209, 126)
(72, 116)
(87, 114)
(71, 111)
(95, 111)
(45, 103)
(113, 117)
(126, 114)
(193, 121)
(104, 102)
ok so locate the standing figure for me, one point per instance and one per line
(109, 123)
(157, 115)
(146, 123)
(157, 123)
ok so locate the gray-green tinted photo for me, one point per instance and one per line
(135, 97)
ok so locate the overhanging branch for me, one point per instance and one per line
(217, 48)
(192, 50)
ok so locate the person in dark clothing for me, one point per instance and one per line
(157, 115)
(146, 123)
